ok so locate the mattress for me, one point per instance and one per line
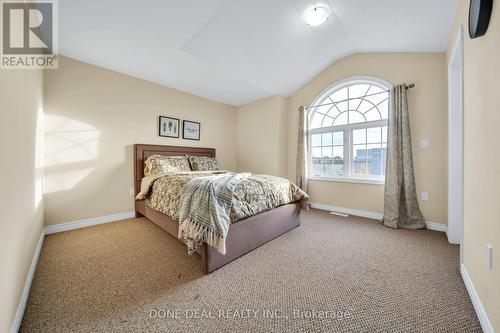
(253, 195)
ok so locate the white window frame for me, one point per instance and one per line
(347, 129)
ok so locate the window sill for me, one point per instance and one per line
(348, 180)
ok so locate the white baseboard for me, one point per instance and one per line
(476, 302)
(50, 230)
(437, 226)
(27, 286)
(88, 222)
(372, 215)
(348, 211)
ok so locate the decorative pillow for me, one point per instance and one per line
(203, 163)
(156, 164)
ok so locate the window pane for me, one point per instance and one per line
(327, 139)
(316, 140)
(337, 168)
(339, 95)
(365, 106)
(316, 120)
(359, 160)
(376, 99)
(356, 117)
(374, 90)
(373, 151)
(316, 167)
(341, 119)
(316, 153)
(375, 168)
(359, 136)
(338, 138)
(333, 112)
(384, 134)
(359, 151)
(327, 122)
(326, 160)
(316, 161)
(374, 135)
(358, 90)
(338, 152)
(354, 104)
(375, 154)
(325, 108)
(326, 152)
(384, 109)
(343, 106)
(373, 115)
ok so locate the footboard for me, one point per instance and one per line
(250, 233)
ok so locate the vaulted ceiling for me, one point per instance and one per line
(238, 51)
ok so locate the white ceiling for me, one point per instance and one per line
(238, 51)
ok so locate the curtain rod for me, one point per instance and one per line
(407, 86)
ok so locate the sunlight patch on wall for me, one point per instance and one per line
(69, 141)
(39, 157)
(65, 180)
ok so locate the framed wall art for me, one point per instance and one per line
(169, 127)
(191, 130)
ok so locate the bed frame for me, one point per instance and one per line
(243, 236)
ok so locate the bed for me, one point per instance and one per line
(244, 235)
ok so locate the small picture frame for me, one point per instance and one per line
(168, 127)
(191, 130)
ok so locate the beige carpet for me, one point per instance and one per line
(367, 277)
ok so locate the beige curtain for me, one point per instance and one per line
(401, 208)
(301, 180)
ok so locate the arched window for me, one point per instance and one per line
(348, 131)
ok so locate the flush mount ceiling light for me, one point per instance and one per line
(317, 16)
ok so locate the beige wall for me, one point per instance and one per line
(261, 136)
(428, 113)
(93, 116)
(21, 201)
(481, 157)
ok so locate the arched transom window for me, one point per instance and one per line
(348, 131)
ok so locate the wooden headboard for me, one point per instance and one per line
(142, 152)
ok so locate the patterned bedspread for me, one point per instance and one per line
(252, 195)
(205, 208)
